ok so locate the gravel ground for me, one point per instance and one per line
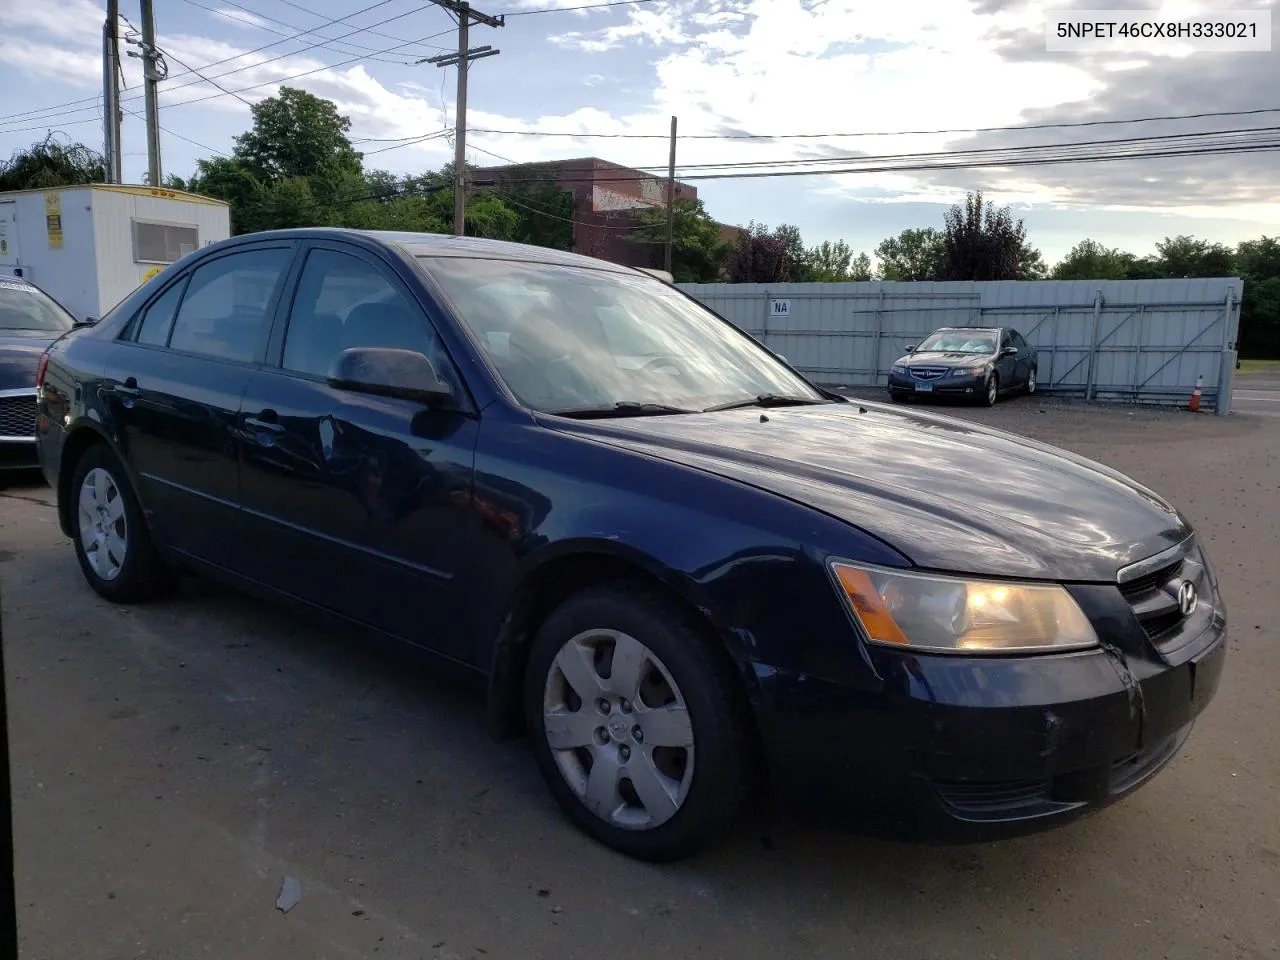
(173, 762)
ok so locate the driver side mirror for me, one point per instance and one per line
(387, 372)
(911, 348)
(1009, 351)
(86, 322)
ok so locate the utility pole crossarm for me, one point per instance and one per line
(461, 60)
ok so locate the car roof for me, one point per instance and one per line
(973, 329)
(443, 245)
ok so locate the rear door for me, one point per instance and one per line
(174, 384)
(356, 503)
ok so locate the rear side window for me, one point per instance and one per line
(224, 313)
(157, 319)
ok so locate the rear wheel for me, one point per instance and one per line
(1031, 381)
(112, 542)
(636, 722)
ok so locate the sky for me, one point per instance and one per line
(804, 78)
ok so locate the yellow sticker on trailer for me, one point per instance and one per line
(53, 219)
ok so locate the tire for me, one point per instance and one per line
(114, 546)
(991, 391)
(1031, 382)
(694, 792)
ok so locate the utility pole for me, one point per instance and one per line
(671, 197)
(466, 16)
(111, 92)
(152, 77)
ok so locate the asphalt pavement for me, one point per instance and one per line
(174, 762)
(1257, 393)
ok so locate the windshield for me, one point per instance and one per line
(566, 338)
(959, 341)
(25, 308)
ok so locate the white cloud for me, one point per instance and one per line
(242, 17)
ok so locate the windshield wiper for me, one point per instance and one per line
(623, 408)
(765, 400)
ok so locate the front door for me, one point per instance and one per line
(357, 503)
(1006, 364)
(174, 385)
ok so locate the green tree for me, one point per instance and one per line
(835, 263)
(1185, 256)
(696, 248)
(228, 179)
(1090, 260)
(982, 242)
(1258, 262)
(800, 268)
(297, 134)
(911, 255)
(51, 163)
(544, 210)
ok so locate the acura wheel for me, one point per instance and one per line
(1031, 381)
(637, 723)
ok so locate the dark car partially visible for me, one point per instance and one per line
(29, 321)
(673, 561)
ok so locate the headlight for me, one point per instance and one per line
(969, 371)
(952, 615)
(899, 368)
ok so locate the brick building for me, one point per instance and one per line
(606, 199)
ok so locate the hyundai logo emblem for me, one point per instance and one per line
(1187, 598)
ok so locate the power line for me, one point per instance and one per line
(1263, 147)
(267, 46)
(1216, 136)
(585, 6)
(207, 80)
(410, 142)
(880, 133)
(283, 23)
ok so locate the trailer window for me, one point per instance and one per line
(162, 242)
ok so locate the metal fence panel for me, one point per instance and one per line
(1139, 340)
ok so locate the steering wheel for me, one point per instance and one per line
(658, 363)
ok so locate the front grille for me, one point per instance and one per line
(1136, 588)
(1153, 598)
(18, 416)
(928, 373)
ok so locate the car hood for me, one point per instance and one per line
(937, 358)
(949, 495)
(20, 355)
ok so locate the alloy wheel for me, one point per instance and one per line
(104, 531)
(1031, 381)
(993, 391)
(618, 729)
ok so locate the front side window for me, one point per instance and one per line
(344, 301)
(23, 307)
(225, 311)
(566, 338)
(959, 341)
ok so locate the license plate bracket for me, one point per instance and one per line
(924, 387)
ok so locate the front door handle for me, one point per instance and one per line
(129, 388)
(265, 422)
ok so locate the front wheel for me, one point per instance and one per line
(637, 725)
(991, 391)
(1031, 381)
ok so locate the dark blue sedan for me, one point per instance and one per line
(676, 564)
(29, 321)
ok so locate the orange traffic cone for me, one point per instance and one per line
(1194, 403)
